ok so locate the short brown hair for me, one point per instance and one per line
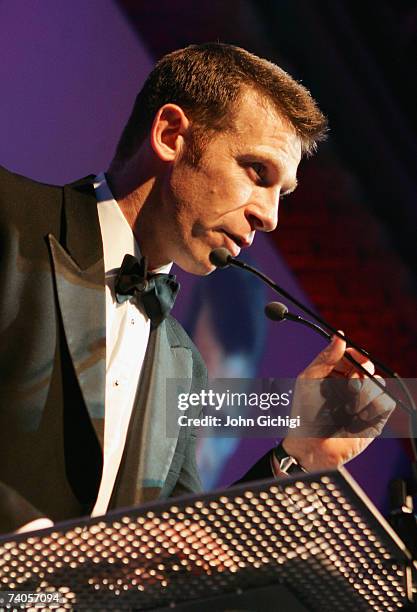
(205, 80)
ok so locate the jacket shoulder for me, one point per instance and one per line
(23, 197)
(29, 210)
(12, 180)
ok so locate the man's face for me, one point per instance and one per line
(234, 191)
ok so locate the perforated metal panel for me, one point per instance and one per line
(313, 534)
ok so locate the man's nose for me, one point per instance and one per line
(262, 213)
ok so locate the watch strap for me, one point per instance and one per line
(287, 464)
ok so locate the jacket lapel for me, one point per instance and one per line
(149, 448)
(79, 277)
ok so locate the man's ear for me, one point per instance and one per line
(167, 132)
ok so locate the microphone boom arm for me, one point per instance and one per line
(229, 260)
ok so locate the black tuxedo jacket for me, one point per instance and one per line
(52, 367)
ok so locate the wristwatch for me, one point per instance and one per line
(287, 464)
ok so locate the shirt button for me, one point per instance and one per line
(116, 383)
(132, 321)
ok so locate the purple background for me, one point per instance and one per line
(70, 72)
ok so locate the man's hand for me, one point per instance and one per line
(341, 411)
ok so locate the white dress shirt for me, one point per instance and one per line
(127, 335)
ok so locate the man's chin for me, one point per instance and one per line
(199, 267)
(202, 269)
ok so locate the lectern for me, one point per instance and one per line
(314, 542)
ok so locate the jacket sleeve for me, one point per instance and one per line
(189, 479)
(261, 470)
(15, 510)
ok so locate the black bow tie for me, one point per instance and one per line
(156, 292)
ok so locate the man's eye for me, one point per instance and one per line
(259, 169)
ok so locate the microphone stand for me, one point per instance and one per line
(401, 514)
(222, 258)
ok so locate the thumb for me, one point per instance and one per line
(326, 360)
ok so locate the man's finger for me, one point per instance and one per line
(346, 368)
(373, 402)
(326, 360)
(364, 392)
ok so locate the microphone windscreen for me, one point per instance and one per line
(220, 257)
(276, 311)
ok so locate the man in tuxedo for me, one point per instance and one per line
(213, 143)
